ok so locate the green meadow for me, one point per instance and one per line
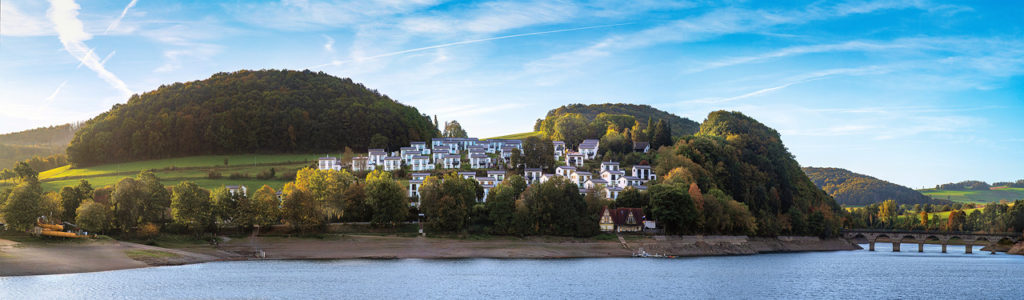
(981, 196)
(516, 136)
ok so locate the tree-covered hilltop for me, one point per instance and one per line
(748, 162)
(592, 120)
(266, 111)
(40, 143)
(850, 188)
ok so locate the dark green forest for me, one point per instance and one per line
(748, 162)
(266, 111)
(849, 188)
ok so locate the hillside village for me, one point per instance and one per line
(489, 162)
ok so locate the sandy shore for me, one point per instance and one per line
(35, 259)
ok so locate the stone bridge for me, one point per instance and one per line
(897, 237)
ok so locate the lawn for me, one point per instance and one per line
(982, 196)
(517, 136)
(196, 169)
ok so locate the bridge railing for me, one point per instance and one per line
(1014, 234)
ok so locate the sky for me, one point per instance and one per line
(914, 92)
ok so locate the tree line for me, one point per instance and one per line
(992, 218)
(267, 111)
(849, 188)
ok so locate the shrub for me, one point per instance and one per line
(238, 176)
(213, 174)
(148, 230)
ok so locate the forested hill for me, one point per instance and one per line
(42, 142)
(850, 188)
(266, 111)
(680, 126)
(747, 160)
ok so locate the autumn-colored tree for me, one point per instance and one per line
(887, 211)
(23, 206)
(299, 209)
(695, 194)
(924, 219)
(327, 188)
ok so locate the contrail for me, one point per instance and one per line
(339, 62)
(118, 20)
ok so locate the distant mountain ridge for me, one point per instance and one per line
(42, 142)
(851, 188)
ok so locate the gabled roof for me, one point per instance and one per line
(621, 216)
(640, 145)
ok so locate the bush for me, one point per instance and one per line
(266, 174)
(148, 231)
(238, 176)
(213, 174)
(290, 175)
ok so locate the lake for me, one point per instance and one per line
(818, 275)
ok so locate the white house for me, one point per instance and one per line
(518, 144)
(414, 189)
(532, 175)
(420, 163)
(407, 153)
(438, 156)
(594, 183)
(468, 175)
(644, 173)
(420, 146)
(609, 166)
(612, 177)
(565, 170)
(452, 161)
(580, 177)
(361, 163)
(453, 147)
(559, 149)
(498, 176)
(377, 156)
(628, 181)
(487, 183)
(506, 152)
(236, 189)
(544, 178)
(420, 176)
(612, 192)
(574, 159)
(589, 148)
(392, 163)
(479, 161)
(329, 163)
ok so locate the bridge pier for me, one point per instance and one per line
(968, 246)
(895, 246)
(920, 247)
(871, 247)
(943, 247)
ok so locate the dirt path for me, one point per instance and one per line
(17, 259)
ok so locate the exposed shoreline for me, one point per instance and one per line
(94, 256)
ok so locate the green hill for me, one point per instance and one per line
(849, 188)
(41, 142)
(977, 196)
(267, 111)
(575, 122)
(754, 167)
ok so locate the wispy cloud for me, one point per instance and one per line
(15, 22)
(56, 91)
(64, 15)
(466, 42)
(309, 15)
(329, 45)
(117, 21)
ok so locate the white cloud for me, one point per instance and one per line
(117, 21)
(196, 51)
(329, 45)
(15, 22)
(64, 15)
(56, 91)
(311, 14)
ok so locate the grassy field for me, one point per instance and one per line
(983, 196)
(174, 170)
(516, 136)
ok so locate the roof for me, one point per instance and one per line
(421, 157)
(485, 179)
(415, 143)
(409, 148)
(453, 156)
(642, 167)
(614, 188)
(613, 172)
(392, 158)
(583, 173)
(420, 174)
(378, 153)
(598, 181)
(376, 150)
(566, 167)
(495, 172)
(360, 158)
(328, 158)
(575, 154)
(487, 186)
(631, 178)
(621, 215)
(232, 187)
(415, 181)
(640, 145)
(478, 155)
(558, 142)
(467, 173)
(609, 163)
(532, 169)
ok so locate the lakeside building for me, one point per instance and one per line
(622, 219)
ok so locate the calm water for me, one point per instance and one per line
(825, 275)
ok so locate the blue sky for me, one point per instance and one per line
(914, 92)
